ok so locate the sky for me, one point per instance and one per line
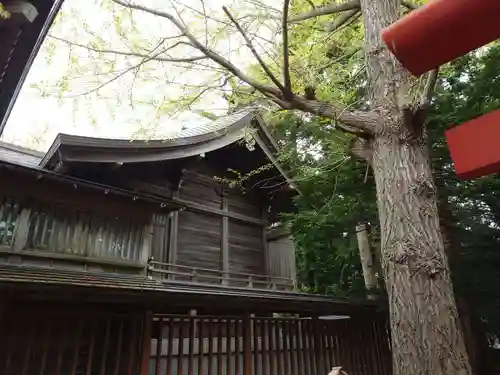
(44, 109)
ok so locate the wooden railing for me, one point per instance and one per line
(176, 272)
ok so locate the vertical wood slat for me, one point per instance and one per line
(229, 334)
(91, 348)
(247, 345)
(134, 336)
(180, 350)
(201, 347)
(210, 346)
(292, 345)
(257, 332)
(277, 341)
(272, 347)
(305, 348)
(237, 348)
(106, 345)
(191, 344)
(45, 346)
(29, 347)
(219, 346)
(159, 343)
(286, 348)
(298, 346)
(264, 358)
(76, 350)
(170, 348)
(146, 343)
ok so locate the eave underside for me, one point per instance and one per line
(38, 283)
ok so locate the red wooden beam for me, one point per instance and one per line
(441, 31)
(474, 146)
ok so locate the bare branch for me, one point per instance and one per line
(136, 54)
(344, 19)
(116, 77)
(286, 55)
(211, 54)
(254, 52)
(326, 10)
(410, 5)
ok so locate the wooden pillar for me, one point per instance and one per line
(147, 243)
(247, 345)
(367, 261)
(225, 240)
(146, 342)
(174, 228)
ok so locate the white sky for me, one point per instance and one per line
(36, 120)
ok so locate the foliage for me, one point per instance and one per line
(4, 14)
(335, 196)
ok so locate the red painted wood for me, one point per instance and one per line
(474, 146)
(441, 31)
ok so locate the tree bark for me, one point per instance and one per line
(427, 336)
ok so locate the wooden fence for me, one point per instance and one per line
(79, 343)
(188, 345)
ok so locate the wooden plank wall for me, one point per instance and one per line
(246, 253)
(199, 238)
(187, 345)
(281, 257)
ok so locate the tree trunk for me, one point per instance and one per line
(427, 336)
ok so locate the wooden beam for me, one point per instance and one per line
(225, 240)
(265, 246)
(217, 212)
(147, 243)
(174, 228)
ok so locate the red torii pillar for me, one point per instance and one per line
(435, 34)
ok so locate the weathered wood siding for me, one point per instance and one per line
(281, 257)
(199, 240)
(246, 250)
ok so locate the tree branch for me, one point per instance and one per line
(361, 123)
(343, 19)
(326, 10)
(212, 55)
(136, 54)
(286, 55)
(362, 149)
(429, 87)
(410, 5)
(355, 122)
(254, 52)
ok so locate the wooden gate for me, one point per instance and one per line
(38, 341)
(190, 345)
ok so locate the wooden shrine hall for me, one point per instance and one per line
(158, 258)
(120, 257)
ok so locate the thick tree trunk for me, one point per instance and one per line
(426, 332)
